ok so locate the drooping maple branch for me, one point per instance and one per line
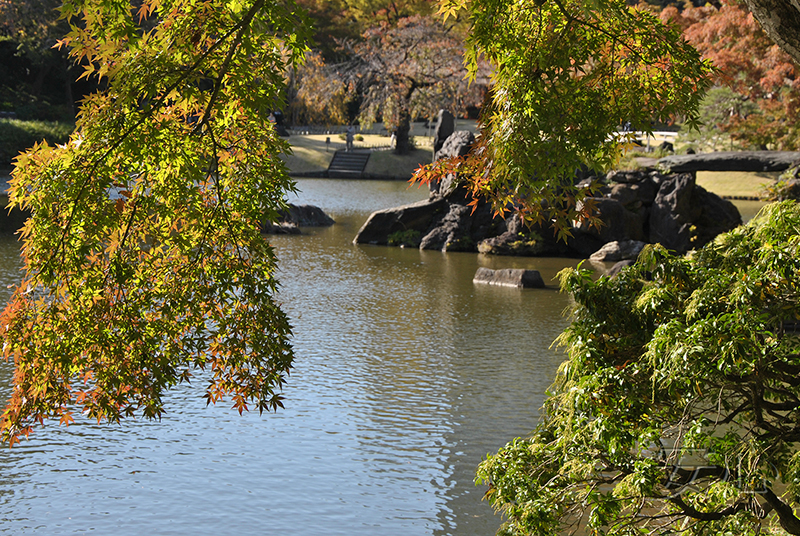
(160, 102)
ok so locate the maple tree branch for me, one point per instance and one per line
(244, 24)
(156, 105)
(785, 512)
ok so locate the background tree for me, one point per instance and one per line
(317, 95)
(751, 65)
(411, 69)
(143, 256)
(338, 20)
(36, 78)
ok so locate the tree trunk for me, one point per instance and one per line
(68, 95)
(38, 82)
(404, 120)
(401, 134)
(780, 19)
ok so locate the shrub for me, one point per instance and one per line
(407, 238)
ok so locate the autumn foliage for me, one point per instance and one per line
(144, 263)
(566, 76)
(763, 111)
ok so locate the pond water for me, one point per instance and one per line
(406, 375)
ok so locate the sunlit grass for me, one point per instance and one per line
(311, 153)
(736, 183)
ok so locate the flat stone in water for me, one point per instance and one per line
(509, 277)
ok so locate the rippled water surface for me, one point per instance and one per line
(406, 375)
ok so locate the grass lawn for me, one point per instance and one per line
(311, 154)
(735, 183)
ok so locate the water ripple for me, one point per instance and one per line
(406, 375)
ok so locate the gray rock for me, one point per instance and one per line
(512, 243)
(295, 216)
(672, 213)
(619, 223)
(624, 176)
(305, 216)
(621, 265)
(452, 232)
(457, 144)
(618, 251)
(635, 195)
(445, 125)
(509, 278)
(717, 216)
(730, 161)
(685, 216)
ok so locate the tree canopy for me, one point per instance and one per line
(755, 101)
(567, 75)
(143, 257)
(411, 68)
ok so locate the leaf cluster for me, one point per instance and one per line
(678, 408)
(143, 256)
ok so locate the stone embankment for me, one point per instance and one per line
(757, 161)
(645, 206)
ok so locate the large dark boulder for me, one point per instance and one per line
(672, 213)
(633, 196)
(538, 240)
(685, 216)
(413, 218)
(305, 216)
(730, 161)
(619, 223)
(716, 216)
(295, 216)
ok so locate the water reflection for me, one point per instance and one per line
(406, 376)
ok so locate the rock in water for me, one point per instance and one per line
(295, 216)
(382, 224)
(306, 216)
(509, 277)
